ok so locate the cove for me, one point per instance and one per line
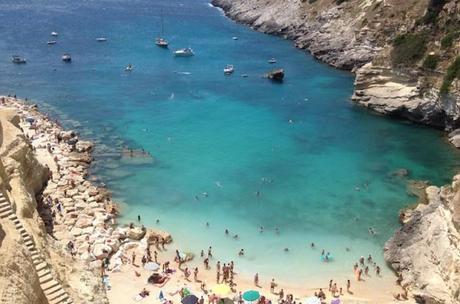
(297, 156)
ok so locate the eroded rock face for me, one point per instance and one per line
(381, 90)
(18, 280)
(424, 251)
(326, 34)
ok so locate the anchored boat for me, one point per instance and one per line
(66, 57)
(18, 59)
(229, 69)
(187, 52)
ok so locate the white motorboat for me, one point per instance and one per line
(101, 39)
(18, 60)
(51, 42)
(235, 38)
(229, 69)
(54, 34)
(161, 42)
(272, 60)
(187, 52)
(66, 57)
(129, 68)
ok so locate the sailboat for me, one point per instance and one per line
(160, 41)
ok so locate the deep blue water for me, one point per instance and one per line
(322, 166)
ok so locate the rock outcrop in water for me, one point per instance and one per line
(404, 52)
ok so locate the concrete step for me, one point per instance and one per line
(60, 300)
(3, 199)
(45, 279)
(41, 266)
(37, 261)
(16, 221)
(6, 213)
(56, 295)
(49, 285)
(4, 208)
(53, 289)
(13, 217)
(43, 272)
(4, 203)
(29, 242)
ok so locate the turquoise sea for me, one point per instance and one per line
(297, 156)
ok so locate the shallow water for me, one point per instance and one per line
(322, 167)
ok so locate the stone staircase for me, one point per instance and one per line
(52, 289)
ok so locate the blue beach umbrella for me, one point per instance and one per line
(251, 295)
(190, 299)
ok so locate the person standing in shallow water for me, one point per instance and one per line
(256, 279)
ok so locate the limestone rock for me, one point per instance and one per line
(84, 146)
(153, 236)
(136, 233)
(101, 251)
(424, 250)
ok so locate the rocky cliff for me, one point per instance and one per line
(424, 251)
(33, 266)
(405, 53)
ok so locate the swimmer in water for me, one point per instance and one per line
(218, 184)
(205, 194)
(226, 231)
(236, 236)
(197, 198)
(261, 229)
(286, 249)
(257, 193)
(207, 224)
(277, 230)
(312, 245)
(158, 221)
(241, 253)
(371, 231)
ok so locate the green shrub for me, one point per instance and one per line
(431, 62)
(409, 48)
(452, 72)
(447, 41)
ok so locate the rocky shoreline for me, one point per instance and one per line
(79, 216)
(357, 36)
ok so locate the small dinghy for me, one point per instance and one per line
(229, 69)
(18, 59)
(187, 52)
(101, 39)
(51, 42)
(54, 34)
(272, 60)
(129, 68)
(66, 57)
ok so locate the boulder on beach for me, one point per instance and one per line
(153, 236)
(84, 146)
(136, 233)
(101, 251)
(66, 135)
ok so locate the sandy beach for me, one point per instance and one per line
(83, 218)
